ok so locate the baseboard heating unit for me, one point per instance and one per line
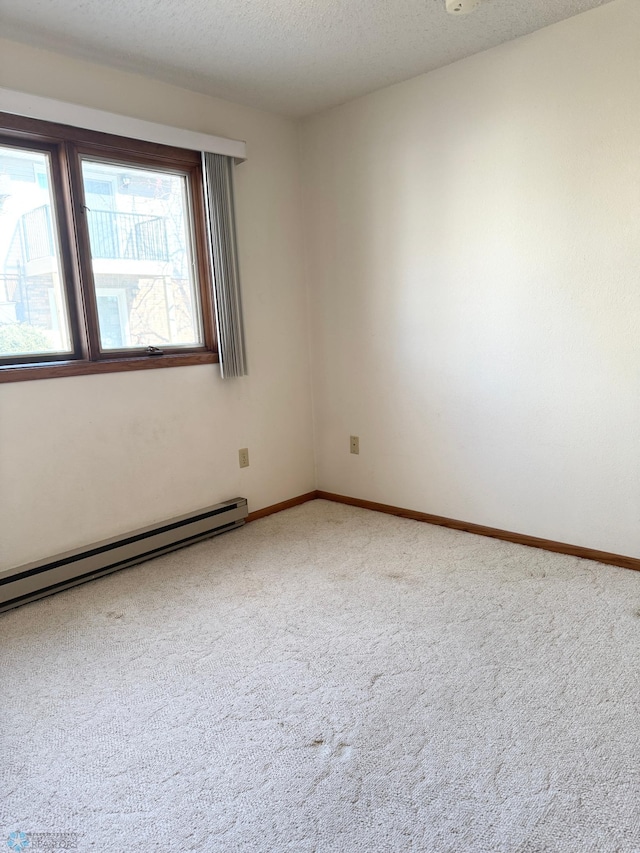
(26, 583)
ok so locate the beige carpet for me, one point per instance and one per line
(330, 679)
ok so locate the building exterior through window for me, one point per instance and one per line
(142, 257)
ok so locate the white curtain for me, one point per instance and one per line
(221, 225)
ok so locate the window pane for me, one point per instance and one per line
(33, 310)
(142, 256)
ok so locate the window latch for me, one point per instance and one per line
(154, 351)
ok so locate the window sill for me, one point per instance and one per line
(52, 370)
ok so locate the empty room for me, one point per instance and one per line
(320, 426)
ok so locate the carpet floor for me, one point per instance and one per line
(329, 680)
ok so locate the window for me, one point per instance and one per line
(103, 255)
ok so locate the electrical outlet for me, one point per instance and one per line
(243, 456)
(354, 444)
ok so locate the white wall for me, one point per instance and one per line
(84, 458)
(473, 246)
(473, 255)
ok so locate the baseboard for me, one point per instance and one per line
(269, 510)
(493, 532)
(442, 521)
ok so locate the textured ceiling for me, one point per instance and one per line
(289, 56)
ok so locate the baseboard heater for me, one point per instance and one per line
(26, 583)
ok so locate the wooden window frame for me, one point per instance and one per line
(66, 146)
